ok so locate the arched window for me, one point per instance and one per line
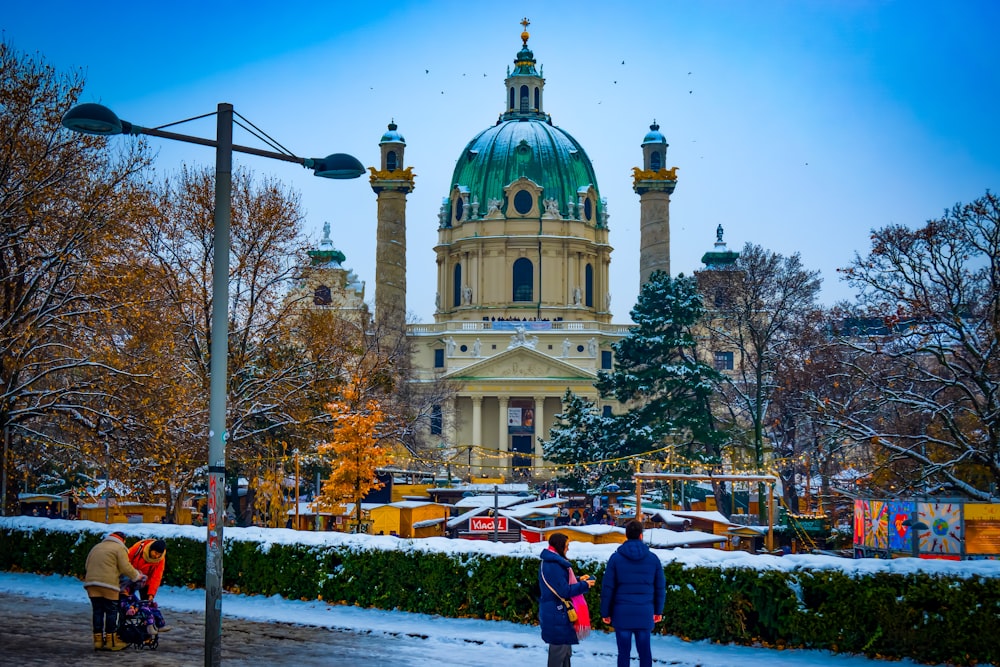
(524, 99)
(457, 287)
(537, 97)
(523, 280)
(459, 209)
(390, 160)
(512, 98)
(588, 286)
(655, 161)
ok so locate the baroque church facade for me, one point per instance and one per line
(522, 264)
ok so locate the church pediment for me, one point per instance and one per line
(521, 363)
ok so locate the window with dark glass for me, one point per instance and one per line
(437, 420)
(606, 359)
(537, 97)
(512, 99)
(606, 412)
(459, 208)
(655, 161)
(588, 286)
(390, 160)
(523, 280)
(588, 209)
(723, 361)
(523, 202)
(524, 99)
(456, 299)
(439, 358)
(321, 297)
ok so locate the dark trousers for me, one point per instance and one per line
(105, 616)
(559, 655)
(642, 647)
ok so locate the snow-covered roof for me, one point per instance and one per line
(595, 529)
(426, 523)
(705, 515)
(668, 517)
(670, 539)
(411, 504)
(521, 511)
(456, 521)
(544, 502)
(488, 501)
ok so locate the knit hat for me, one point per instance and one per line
(158, 545)
(118, 535)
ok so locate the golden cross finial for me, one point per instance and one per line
(524, 35)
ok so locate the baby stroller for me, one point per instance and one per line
(138, 619)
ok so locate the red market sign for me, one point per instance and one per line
(482, 524)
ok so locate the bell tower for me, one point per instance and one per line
(654, 184)
(391, 183)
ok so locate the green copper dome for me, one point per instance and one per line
(525, 144)
(531, 149)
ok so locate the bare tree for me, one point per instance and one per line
(929, 352)
(761, 313)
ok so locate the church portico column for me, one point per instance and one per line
(539, 429)
(502, 439)
(477, 423)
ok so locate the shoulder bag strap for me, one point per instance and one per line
(542, 573)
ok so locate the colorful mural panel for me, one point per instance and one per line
(900, 535)
(877, 525)
(859, 522)
(944, 528)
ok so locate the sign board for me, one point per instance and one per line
(481, 524)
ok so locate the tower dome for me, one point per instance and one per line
(523, 231)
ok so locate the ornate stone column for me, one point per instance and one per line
(503, 441)
(539, 429)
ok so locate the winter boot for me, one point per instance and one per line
(115, 642)
(98, 641)
(151, 630)
(165, 628)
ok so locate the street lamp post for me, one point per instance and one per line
(97, 119)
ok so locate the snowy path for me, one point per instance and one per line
(416, 640)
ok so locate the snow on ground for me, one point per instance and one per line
(507, 642)
(442, 641)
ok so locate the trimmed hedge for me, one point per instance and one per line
(925, 617)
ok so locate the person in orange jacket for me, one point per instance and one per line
(150, 557)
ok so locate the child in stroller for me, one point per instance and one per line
(139, 620)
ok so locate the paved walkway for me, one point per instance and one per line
(48, 633)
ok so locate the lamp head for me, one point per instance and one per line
(90, 118)
(337, 165)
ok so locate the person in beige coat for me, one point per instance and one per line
(106, 562)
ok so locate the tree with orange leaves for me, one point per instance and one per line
(357, 448)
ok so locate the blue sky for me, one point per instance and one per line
(799, 126)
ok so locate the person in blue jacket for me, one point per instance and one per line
(632, 595)
(553, 580)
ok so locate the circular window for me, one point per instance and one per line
(523, 202)
(464, 348)
(459, 209)
(579, 348)
(588, 209)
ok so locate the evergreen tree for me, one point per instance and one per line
(581, 434)
(658, 376)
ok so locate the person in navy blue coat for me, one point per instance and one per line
(632, 595)
(553, 580)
